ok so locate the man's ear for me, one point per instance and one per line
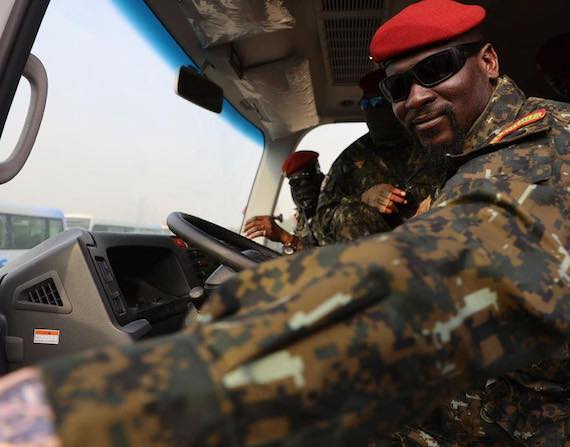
(489, 61)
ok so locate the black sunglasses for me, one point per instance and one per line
(303, 174)
(429, 72)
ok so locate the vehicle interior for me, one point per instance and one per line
(286, 67)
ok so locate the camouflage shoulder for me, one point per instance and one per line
(353, 151)
(536, 116)
(558, 113)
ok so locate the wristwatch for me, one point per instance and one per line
(288, 249)
(290, 246)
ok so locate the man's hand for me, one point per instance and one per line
(384, 198)
(265, 226)
(26, 419)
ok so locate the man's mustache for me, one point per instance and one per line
(427, 111)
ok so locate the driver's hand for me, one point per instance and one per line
(265, 226)
(384, 198)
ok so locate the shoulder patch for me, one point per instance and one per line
(522, 122)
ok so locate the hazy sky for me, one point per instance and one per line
(116, 142)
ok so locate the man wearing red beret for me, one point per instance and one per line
(338, 345)
(444, 84)
(305, 178)
(378, 181)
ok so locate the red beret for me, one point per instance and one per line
(423, 24)
(299, 160)
(370, 82)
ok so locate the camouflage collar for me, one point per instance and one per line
(503, 107)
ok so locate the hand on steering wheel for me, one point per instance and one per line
(265, 226)
(223, 245)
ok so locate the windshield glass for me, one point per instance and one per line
(116, 143)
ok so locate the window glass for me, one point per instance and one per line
(329, 141)
(116, 142)
(78, 222)
(28, 231)
(54, 226)
(113, 228)
(5, 241)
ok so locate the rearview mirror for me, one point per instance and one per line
(195, 88)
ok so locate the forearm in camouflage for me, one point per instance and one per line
(157, 393)
(349, 220)
(26, 419)
(329, 204)
(394, 325)
(341, 343)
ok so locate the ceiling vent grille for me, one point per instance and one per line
(45, 293)
(347, 27)
(351, 5)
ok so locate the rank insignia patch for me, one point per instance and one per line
(524, 121)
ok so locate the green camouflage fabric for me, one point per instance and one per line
(341, 216)
(303, 230)
(345, 344)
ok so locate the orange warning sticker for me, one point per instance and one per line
(46, 336)
(524, 121)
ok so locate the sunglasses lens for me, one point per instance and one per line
(396, 88)
(436, 68)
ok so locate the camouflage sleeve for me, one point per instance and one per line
(306, 236)
(341, 216)
(339, 344)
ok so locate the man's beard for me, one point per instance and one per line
(437, 156)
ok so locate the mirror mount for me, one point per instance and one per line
(194, 87)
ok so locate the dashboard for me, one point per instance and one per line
(84, 289)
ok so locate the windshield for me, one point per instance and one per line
(116, 143)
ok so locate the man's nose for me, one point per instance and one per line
(419, 96)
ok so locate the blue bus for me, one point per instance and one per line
(24, 227)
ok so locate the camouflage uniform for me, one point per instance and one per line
(530, 406)
(342, 216)
(303, 230)
(337, 345)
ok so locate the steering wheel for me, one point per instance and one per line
(210, 238)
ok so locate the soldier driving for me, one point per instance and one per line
(305, 178)
(341, 344)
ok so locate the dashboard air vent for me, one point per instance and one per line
(44, 292)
